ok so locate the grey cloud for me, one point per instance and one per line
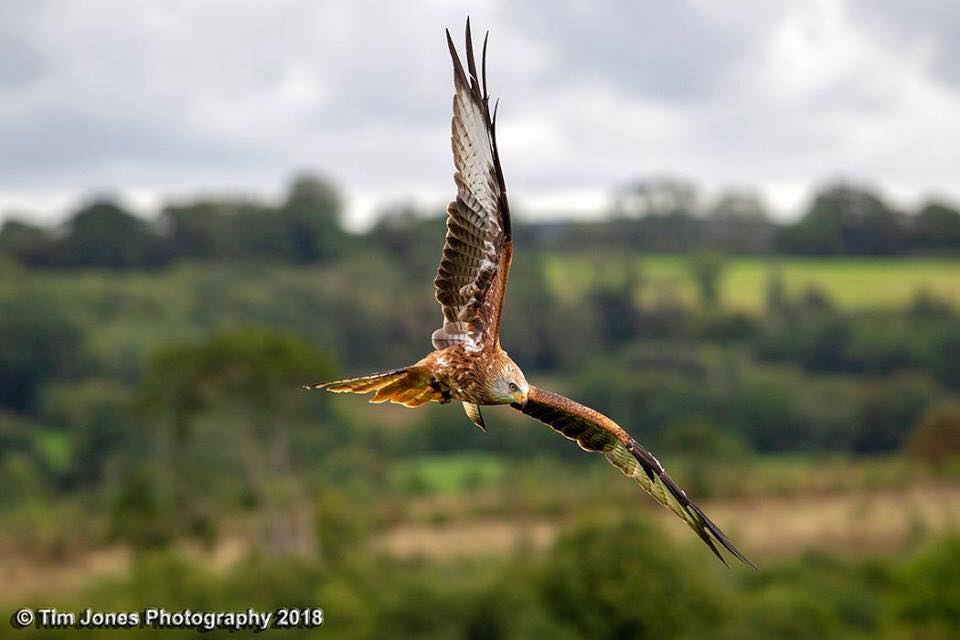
(59, 141)
(909, 24)
(19, 62)
(663, 50)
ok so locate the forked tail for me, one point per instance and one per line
(408, 386)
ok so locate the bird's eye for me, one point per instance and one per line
(514, 387)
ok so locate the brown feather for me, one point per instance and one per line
(410, 386)
(474, 267)
(594, 431)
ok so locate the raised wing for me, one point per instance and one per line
(594, 431)
(472, 277)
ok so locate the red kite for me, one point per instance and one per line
(468, 364)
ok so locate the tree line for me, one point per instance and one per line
(662, 215)
(304, 228)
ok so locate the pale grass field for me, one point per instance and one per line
(861, 521)
(854, 283)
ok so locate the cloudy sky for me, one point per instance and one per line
(165, 99)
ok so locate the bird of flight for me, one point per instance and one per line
(468, 364)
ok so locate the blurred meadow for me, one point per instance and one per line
(736, 232)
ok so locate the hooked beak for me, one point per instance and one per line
(519, 399)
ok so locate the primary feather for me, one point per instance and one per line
(471, 278)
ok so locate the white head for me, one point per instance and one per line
(509, 386)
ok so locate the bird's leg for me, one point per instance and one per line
(445, 396)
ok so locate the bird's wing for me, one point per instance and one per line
(594, 431)
(472, 277)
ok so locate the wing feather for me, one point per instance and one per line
(593, 431)
(472, 276)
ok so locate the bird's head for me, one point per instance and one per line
(509, 385)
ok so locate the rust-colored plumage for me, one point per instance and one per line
(468, 364)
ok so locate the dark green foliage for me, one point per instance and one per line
(305, 229)
(706, 269)
(311, 219)
(213, 406)
(538, 328)
(937, 228)
(928, 596)
(846, 220)
(738, 223)
(27, 243)
(814, 334)
(624, 581)
(888, 408)
(406, 235)
(104, 235)
(38, 342)
(613, 302)
(98, 423)
(252, 366)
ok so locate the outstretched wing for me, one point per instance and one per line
(472, 277)
(594, 431)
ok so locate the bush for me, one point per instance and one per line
(625, 581)
(936, 438)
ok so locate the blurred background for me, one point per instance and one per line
(737, 233)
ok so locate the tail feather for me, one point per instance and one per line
(422, 398)
(392, 391)
(363, 384)
(407, 386)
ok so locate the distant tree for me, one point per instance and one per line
(940, 350)
(95, 415)
(253, 374)
(263, 233)
(409, 235)
(38, 342)
(613, 299)
(312, 217)
(927, 306)
(936, 438)
(706, 268)
(103, 234)
(626, 582)
(708, 450)
(937, 227)
(812, 334)
(200, 229)
(738, 221)
(656, 197)
(537, 329)
(27, 243)
(776, 298)
(739, 204)
(888, 409)
(228, 230)
(847, 220)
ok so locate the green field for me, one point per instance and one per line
(854, 283)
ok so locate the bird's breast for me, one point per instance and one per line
(464, 374)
